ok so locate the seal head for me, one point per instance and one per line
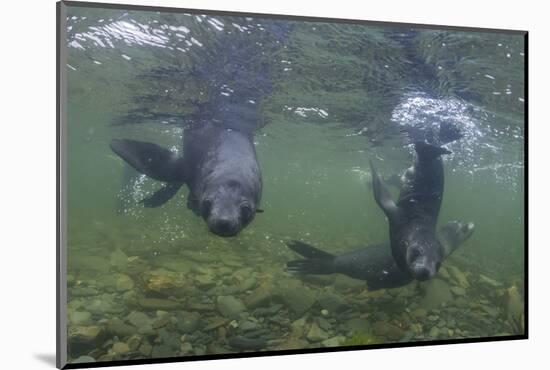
(227, 208)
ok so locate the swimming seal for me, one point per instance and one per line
(219, 166)
(374, 263)
(412, 220)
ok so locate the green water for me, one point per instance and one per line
(156, 283)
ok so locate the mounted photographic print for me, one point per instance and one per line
(234, 184)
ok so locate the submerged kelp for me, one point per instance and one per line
(326, 98)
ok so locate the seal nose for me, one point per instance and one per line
(224, 227)
(421, 273)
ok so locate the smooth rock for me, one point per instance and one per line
(124, 283)
(84, 334)
(158, 304)
(134, 342)
(118, 259)
(145, 349)
(83, 360)
(166, 283)
(205, 281)
(247, 284)
(488, 281)
(121, 348)
(358, 325)
(437, 292)
(388, 330)
(334, 341)
(296, 296)
(332, 302)
(188, 322)
(162, 350)
(117, 327)
(215, 322)
(459, 277)
(419, 313)
(316, 334)
(443, 273)
(229, 306)
(186, 348)
(459, 291)
(260, 297)
(139, 319)
(80, 317)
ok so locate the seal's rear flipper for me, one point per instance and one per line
(448, 133)
(162, 195)
(308, 251)
(429, 151)
(150, 159)
(317, 262)
(382, 195)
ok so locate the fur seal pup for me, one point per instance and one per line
(374, 263)
(219, 166)
(412, 220)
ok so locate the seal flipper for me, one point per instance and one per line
(429, 151)
(308, 251)
(162, 195)
(316, 262)
(150, 159)
(382, 195)
(448, 133)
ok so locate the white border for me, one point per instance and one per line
(28, 183)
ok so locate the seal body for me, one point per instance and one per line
(219, 166)
(412, 219)
(375, 263)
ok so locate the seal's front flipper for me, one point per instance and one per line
(150, 159)
(162, 195)
(382, 195)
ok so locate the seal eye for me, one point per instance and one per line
(246, 212)
(206, 207)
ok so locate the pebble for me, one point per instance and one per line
(84, 334)
(215, 323)
(434, 332)
(121, 348)
(83, 360)
(390, 331)
(80, 317)
(188, 322)
(145, 349)
(117, 327)
(229, 306)
(316, 334)
(205, 281)
(133, 342)
(332, 302)
(459, 291)
(296, 296)
(333, 342)
(158, 304)
(186, 348)
(124, 283)
(139, 319)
